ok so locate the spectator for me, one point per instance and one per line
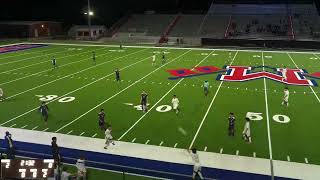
(108, 137)
(82, 171)
(55, 150)
(196, 164)
(64, 174)
(9, 146)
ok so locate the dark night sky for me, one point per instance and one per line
(106, 11)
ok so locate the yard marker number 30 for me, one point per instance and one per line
(258, 117)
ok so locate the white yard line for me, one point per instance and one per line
(288, 158)
(205, 148)
(133, 140)
(32, 52)
(175, 145)
(126, 132)
(94, 135)
(268, 121)
(11, 62)
(161, 143)
(317, 97)
(24, 126)
(208, 110)
(50, 82)
(306, 160)
(13, 125)
(42, 62)
(78, 89)
(254, 154)
(70, 132)
(221, 150)
(35, 128)
(199, 49)
(237, 153)
(47, 70)
(82, 134)
(147, 141)
(76, 119)
(46, 129)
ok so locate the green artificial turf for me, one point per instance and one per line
(27, 75)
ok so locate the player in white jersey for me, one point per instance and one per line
(285, 100)
(108, 137)
(196, 164)
(1, 94)
(246, 134)
(153, 60)
(284, 74)
(175, 104)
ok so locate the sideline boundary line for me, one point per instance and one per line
(164, 47)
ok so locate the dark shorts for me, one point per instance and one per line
(101, 123)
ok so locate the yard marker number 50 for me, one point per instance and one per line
(258, 117)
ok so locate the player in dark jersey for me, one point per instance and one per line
(117, 74)
(144, 97)
(55, 150)
(120, 46)
(231, 120)
(94, 57)
(44, 109)
(54, 62)
(102, 123)
(163, 58)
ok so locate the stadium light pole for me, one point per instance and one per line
(89, 19)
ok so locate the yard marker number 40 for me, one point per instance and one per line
(258, 117)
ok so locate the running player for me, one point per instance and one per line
(144, 99)
(1, 95)
(117, 75)
(54, 62)
(153, 60)
(206, 88)
(93, 56)
(175, 104)
(230, 55)
(163, 58)
(284, 74)
(285, 100)
(231, 120)
(108, 137)
(246, 131)
(44, 109)
(102, 122)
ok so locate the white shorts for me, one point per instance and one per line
(196, 167)
(286, 99)
(247, 133)
(175, 106)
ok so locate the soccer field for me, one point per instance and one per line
(77, 90)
